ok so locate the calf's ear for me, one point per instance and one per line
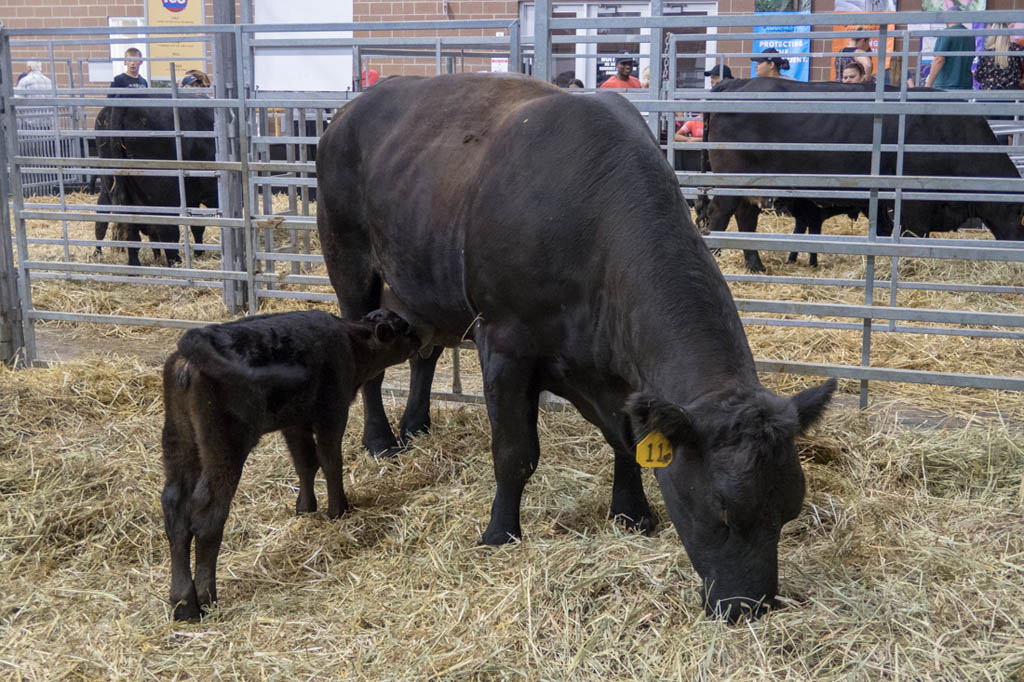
(647, 413)
(384, 332)
(811, 403)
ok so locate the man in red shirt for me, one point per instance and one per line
(623, 77)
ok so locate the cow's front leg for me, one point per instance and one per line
(416, 418)
(512, 399)
(133, 236)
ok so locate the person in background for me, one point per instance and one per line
(718, 72)
(952, 72)
(645, 77)
(691, 130)
(34, 78)
(130, 78)
(770, 67)
(853, 72)
(34, 84)
(860, 47)
(194, 78)
(370, 76)
(897, 71)
(1002, 72)
(575, 83)
(623, 77)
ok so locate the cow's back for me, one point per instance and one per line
(476, 186)
(828, 130)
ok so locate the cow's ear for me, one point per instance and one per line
(384, 332)
(647, 413)
(811, 403)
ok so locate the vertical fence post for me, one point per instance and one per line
(11, 337)
(16, 330)
(515, 52)
(229, 183)
(873, 208)
(542, 40)
(655, 55)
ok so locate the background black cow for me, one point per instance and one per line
(552, 230)
(918, 217)
(138, 190)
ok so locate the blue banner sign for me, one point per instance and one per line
(799, 67)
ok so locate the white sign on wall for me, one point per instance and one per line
(320, 69)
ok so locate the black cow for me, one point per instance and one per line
(227, 385)
(919, 218)
(139, 190)
(551, 230)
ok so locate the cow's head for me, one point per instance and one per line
(733, 481)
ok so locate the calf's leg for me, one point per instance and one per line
(181, 471)
(328, 453)
(302, 448)
(223, 457)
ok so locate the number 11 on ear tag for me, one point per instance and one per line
(654, 450)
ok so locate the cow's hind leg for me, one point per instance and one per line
(416, 418)
(512, 399)
(302, 448)
(181, 472)
(328, 453)
(223, 457)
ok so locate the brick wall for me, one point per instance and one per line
(54, 13)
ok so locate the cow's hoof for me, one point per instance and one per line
(382, 446)
(496, 538)
(792, 258)
(639, 523)
(187, 611)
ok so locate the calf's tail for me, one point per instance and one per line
(196, 347)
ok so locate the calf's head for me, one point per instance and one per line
(733, 481)
(384, 339)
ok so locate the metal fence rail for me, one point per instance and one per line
(266, 144)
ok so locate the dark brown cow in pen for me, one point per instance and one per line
(550, 229)
(918, 217)
(227, 385)
(150, 190)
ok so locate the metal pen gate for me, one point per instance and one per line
(266, 140)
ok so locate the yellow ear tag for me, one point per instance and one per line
(654, 450)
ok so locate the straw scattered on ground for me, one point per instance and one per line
(907, 561)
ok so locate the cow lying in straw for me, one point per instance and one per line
(227, 385)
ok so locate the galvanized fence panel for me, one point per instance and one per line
(269, 140)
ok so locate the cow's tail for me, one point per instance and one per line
(196, 347)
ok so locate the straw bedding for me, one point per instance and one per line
(907, 561)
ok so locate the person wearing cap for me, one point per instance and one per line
(770, 67)
(718, 73)
(623, 77)
(194, 78)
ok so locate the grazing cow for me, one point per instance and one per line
(227, 385)
(919, 218)
(551, 230)
(141, 190)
